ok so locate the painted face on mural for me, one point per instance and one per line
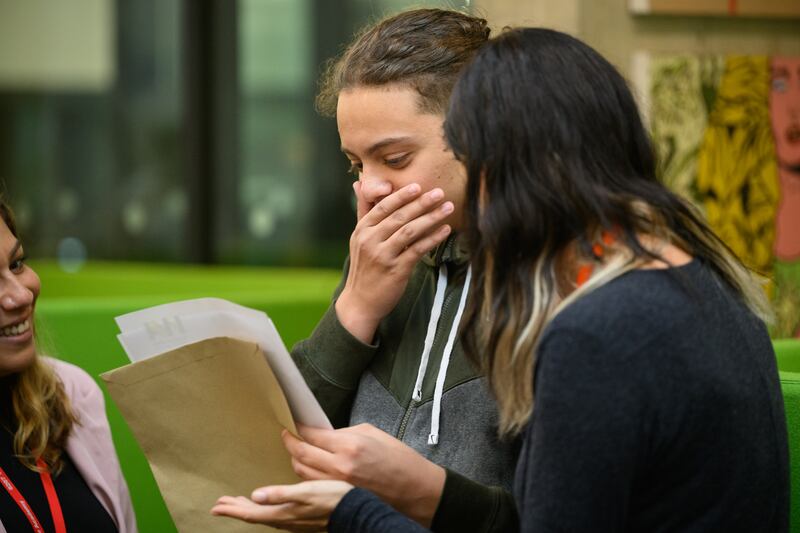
(785, 110)
(785, 116)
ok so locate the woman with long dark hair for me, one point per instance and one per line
(621, 338)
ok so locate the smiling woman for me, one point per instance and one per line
(20, 289)
(58, 467)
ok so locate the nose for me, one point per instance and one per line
(15, 295)
(374, 190)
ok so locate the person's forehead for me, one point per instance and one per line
(367, 105)
(390, 93)
(369, 115)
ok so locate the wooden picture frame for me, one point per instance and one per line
(723, 8)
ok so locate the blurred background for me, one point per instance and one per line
(184, 130)
(156, 150)
(175, 130)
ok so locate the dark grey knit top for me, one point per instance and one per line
(658, 409)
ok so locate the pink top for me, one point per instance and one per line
(90, 446)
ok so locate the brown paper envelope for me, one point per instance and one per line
(208, 416)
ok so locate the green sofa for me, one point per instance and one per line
(788, 353)
(75, 322)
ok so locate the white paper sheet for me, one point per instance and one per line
(166, 327)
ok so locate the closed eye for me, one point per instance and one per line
(355, 168)
(397, 162)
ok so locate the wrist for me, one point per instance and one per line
(351, 316)
(429, 489)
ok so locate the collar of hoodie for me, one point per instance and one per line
(452, 250)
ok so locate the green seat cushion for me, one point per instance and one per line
(788, 353)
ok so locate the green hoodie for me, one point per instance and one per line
(355, 383)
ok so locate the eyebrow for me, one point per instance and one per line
(378, 145)
(780, 71)
(15, 249)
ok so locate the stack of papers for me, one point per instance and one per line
(170, 326)
(208, 392)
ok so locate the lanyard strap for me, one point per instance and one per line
(52, 499)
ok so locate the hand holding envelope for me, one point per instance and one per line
(210, 389)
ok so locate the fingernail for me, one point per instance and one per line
(413, 188)
(447, 207)
(437, 194)
(259, 496)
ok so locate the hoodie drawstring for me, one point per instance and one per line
(436, 311)
(433, 438)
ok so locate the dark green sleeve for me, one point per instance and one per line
(469, 506)
(332, 361)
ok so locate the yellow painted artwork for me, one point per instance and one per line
(682, 93)
(737, 175)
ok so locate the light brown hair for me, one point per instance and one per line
(41, 407)
(425, 49)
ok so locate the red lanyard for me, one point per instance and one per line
(52, 499)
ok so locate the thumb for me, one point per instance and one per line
(326, 439)
(274, 494)
(260, 495)
(362, 206)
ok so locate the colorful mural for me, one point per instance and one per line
(785, 113)
(682, 96)
(727, 134)
(736, 166)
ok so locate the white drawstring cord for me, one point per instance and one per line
(436, 311)
(433, 438)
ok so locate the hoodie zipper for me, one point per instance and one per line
(411, 403)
